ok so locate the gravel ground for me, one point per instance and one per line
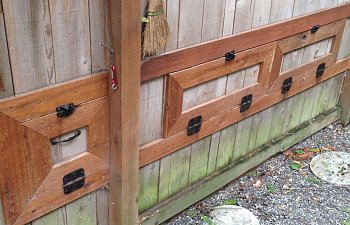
(278, 195)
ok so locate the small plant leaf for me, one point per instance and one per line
(191, 213)
(300, 151)
(207, 220)
(270, 187)
(231, 201)
(315, 150)
(295, 166)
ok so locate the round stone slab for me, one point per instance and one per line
(332, 167)
(233, 215)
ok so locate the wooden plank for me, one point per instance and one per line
(45, 100)
(97, 175)
(98, 26)
(344, 48)
(241, 142)
(193, 194)
(230, 9)
(261, 14)
(102, 206)
(213, 17)
(125, 108)
(344, 102)
(281, 10)
(82, 211)
(13, 169)
(188, 57)
(180, 163)
(6, 86)
(149, 178)
(164, 178)
(72, 49)
(52, 126)
(262, 136)
(2, 218)
(213, 153)
(30, 42)
(199, 160)
(173, 13)
(243, 16)
(55, 217)
(190, 22)
(163, 147)
(225, 148)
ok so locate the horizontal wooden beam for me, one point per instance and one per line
(45, 100)
(187, 197)
(188, 57)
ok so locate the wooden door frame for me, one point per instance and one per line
(125, 112)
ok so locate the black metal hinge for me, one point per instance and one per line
(65, 110)
(320, 70)
(287, 84)
(194, 125)
(73, 181)
(246, 102)
(229, 56)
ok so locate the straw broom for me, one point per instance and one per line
(156, 32)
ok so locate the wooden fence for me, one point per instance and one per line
(49, 42)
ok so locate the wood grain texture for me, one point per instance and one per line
(72, 50)
(30, 42)
(14, 195)
(45, 100)
(125, 111)
(6, 86)
(97, 175)
(82, 211)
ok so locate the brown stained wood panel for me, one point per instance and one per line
(98, 132)
(162, 147)
(30, 185)
(185, 58)
(176, 120)
(50, 195)
(45, 100)
(52, 126)
(14, 193)
(306, 38)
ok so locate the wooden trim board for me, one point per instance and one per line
(189, 196)
(188, 57)
(30, 185)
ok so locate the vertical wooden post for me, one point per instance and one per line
(344, 101)
(125, 112)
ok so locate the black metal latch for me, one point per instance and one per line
(194, 125)
(246, 102)
(230, 56)
(65, 110)
(315, 28)
(73, 181)
(287, 84)
(320, 70)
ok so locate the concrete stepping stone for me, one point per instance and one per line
(332, 167)
(233, 215)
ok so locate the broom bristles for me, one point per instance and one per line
(156, 33)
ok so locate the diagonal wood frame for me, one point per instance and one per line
(30, 185)
(224, 111)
